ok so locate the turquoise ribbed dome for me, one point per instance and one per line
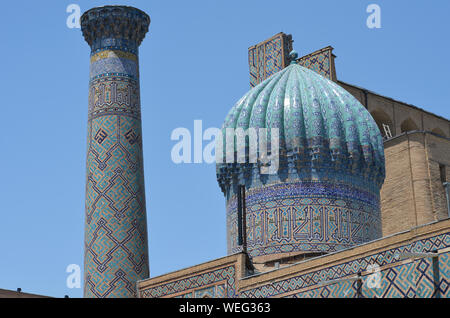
(320, 124)
(325, 193)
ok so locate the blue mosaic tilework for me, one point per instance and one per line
(268, 57)
(305, 216)
(116, 248)
(114, 95)
(187, 295)
(444, 270)
(114, 65)
(114, 27)
(216, 291)
(115, 235)
(413, 279)
(322, 128)
(397, 278)
(338, 290)
(326, 139)
(320, 62)
(224, 280)
(426, 277)
(103, 44)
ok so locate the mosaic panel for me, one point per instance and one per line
(338, 290)
(116, 235)
(216, 291)
(416, 279)
(444, 270)
(305, 216)
(114, 65)
(413, 279)
(269, 57)
(194, 286)
(396, 279)
(114, 94)
(321, 61)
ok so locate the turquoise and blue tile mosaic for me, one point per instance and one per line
(116, 248)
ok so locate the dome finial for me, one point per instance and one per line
(293, 56)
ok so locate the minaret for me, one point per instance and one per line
(116, 249)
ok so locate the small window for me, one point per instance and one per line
(443, 173)
(408, 125)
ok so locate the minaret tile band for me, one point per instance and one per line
(116, 248)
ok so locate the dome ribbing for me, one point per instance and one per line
(331, 159)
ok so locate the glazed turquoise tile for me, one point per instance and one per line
(325, 194)
(116, 248)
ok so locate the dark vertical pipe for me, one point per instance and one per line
(242, 222)
(239, 216)
(447, 194)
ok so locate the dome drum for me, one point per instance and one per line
(312, 216)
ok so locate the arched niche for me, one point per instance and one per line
(439, 131)
(408, 125)
(382, 119)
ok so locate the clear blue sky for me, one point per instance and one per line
(193, 66)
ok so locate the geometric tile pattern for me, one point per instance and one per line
(296, 217)
(399, 279)
(269, 57)
(444, 270)
(116, 248)
(321, 61)
(394, 278)
(198, 286)
(415, 279)
(216, 291)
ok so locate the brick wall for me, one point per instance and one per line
(399, 112)
(413, 193)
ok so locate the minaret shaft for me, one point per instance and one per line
(116, 248)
